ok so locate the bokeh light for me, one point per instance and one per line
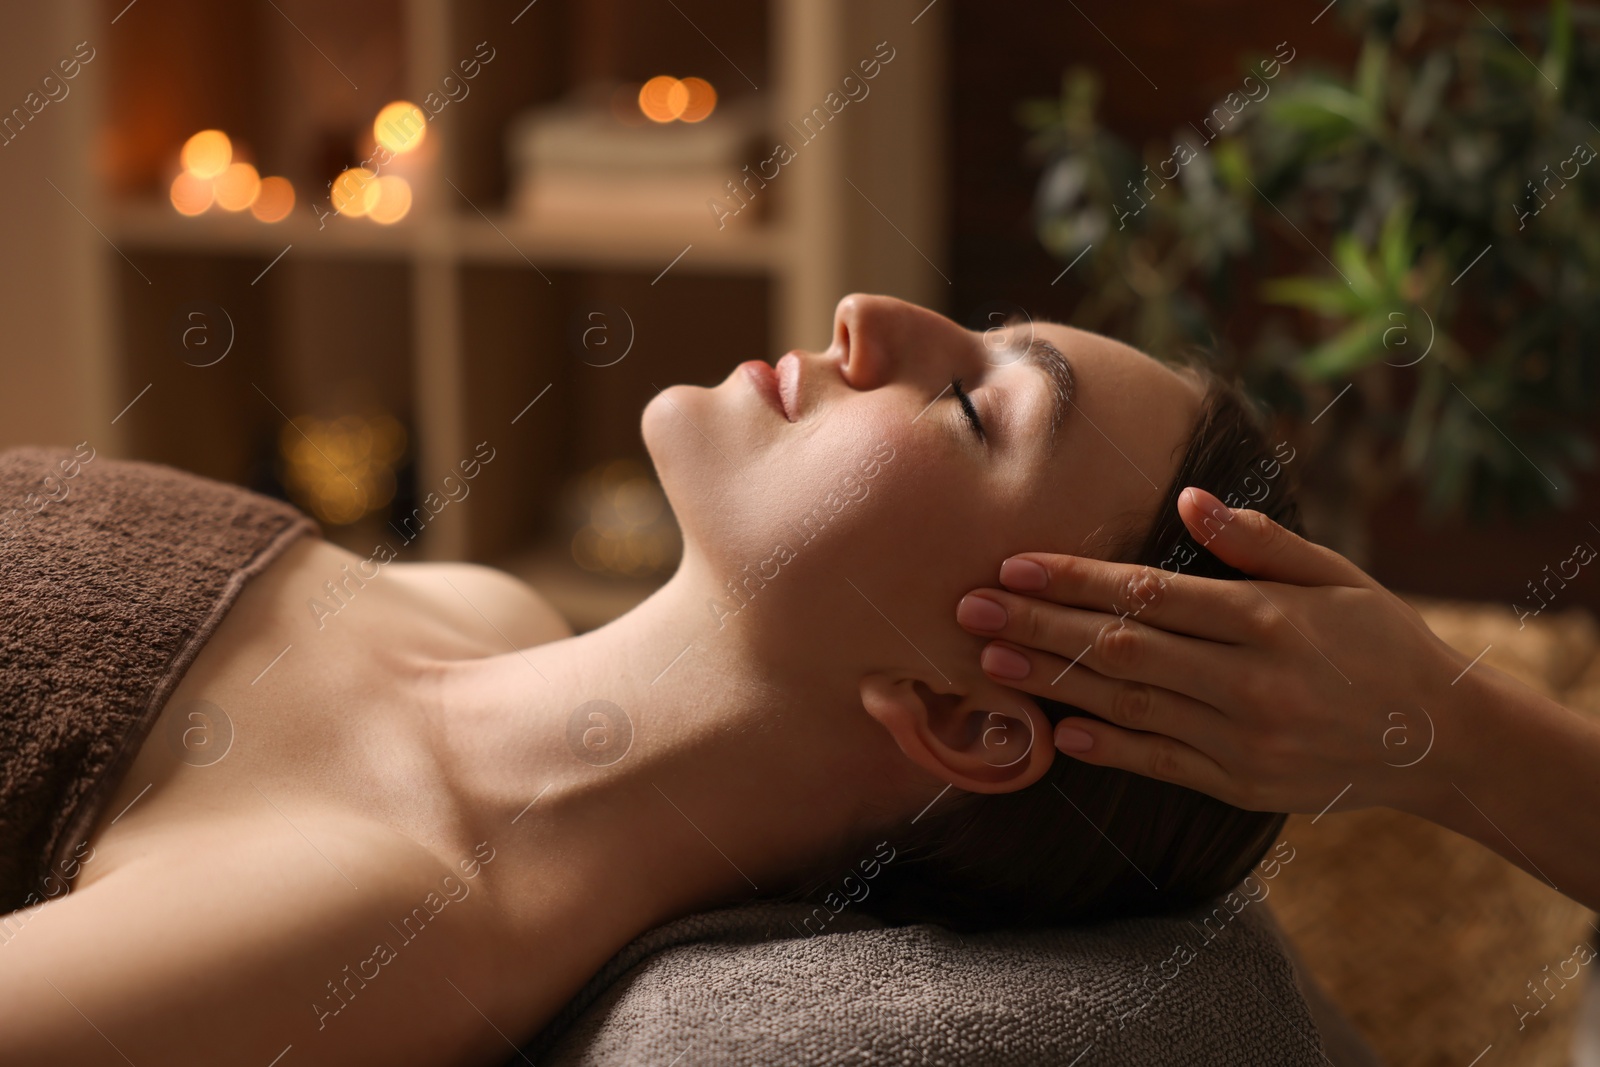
(237, 187)
(207, 154)
(624, 526)
(191, 195)
(275, 200)
(341, 469)
(663, 98)
(677, 99)
(349, 193)
(388, 199)
(400, 126)
(701, 100)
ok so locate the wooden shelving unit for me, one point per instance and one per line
(461, 314)
(505, 241)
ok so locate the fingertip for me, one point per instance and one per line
(1199, 500)
(1023, 575)
(1072, 740)
(1204, 515)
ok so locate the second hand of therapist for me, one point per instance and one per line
(1309, 684)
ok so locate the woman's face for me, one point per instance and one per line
(859, 518)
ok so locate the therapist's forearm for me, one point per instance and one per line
(1520, 774)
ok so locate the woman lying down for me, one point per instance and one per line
(423, 824)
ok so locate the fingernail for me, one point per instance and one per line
(1071, 739)
(980, 613)
(1023, 574)
(1005, 662)
(1208, 503)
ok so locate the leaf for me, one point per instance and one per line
(1558, 52)
(1038, 114)
(1395, 244)
(1353, 348)
(1323, 295)
(1351, 259)
(1426, 91)
(1233, 165)
(1370, 68)
(1321, 106)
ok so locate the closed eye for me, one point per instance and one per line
(968, 407)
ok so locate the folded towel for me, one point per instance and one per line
(1207, 987)
(113, 574)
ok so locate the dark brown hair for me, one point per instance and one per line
(1088, 842)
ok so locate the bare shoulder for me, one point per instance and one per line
(482, 596)
(315, 579)
(333, 935)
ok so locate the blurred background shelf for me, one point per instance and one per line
(507, 241)
(154, 226)
(463, 322)
(503, 239)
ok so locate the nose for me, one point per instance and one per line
(879, 339)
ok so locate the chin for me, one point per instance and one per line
(680, 455)
(655, 421)
(720, 509)
(659, 426)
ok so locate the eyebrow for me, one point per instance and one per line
(1058, 372)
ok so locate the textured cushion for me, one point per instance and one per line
(742, 986)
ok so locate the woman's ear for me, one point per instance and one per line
(995, 740)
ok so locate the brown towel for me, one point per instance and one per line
(113, 574)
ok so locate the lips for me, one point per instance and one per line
(766, 383)
(788, 374)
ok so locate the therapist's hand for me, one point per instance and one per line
(1273, 694)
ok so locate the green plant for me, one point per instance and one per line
(1323, 230)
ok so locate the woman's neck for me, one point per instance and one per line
(657, 765)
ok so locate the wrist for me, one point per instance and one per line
(1468, 721)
